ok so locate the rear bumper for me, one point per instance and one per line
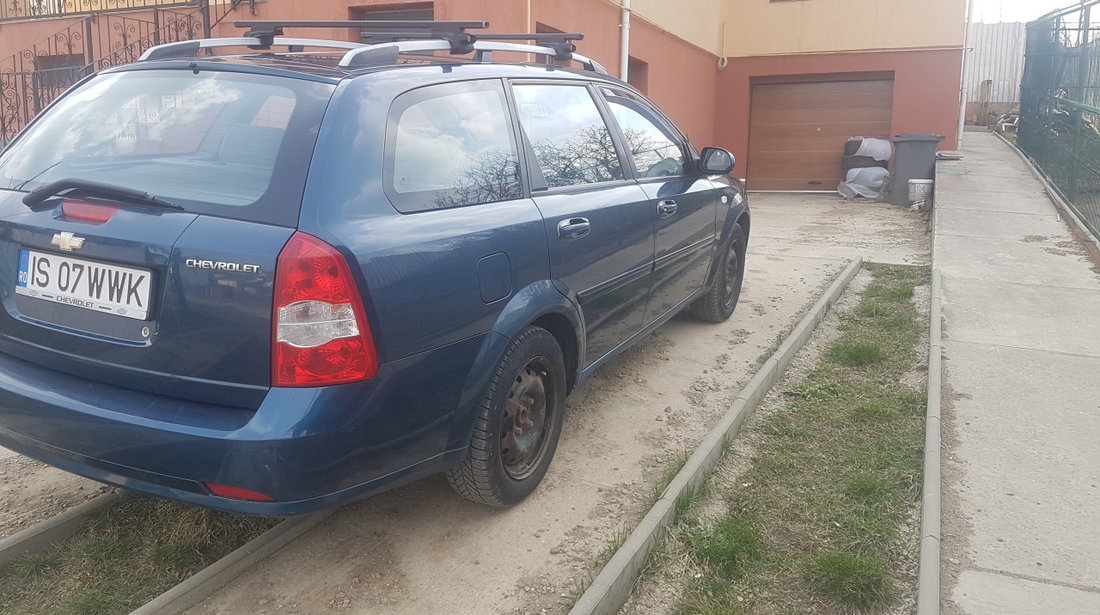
(308, 449)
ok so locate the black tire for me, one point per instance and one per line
(518, 423)
(720, 301)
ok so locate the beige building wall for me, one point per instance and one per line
(695, 21)
(774, 27)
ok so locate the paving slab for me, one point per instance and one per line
(960, 222)
(1042, 479)
(987, 592)
(1040, 260)
(989, 202)
(1048, 318)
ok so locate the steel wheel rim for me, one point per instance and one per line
(731, 281)
(527, 418)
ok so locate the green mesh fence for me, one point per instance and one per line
(1060, 105)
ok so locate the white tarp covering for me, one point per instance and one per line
(879, 149)
(866, 182)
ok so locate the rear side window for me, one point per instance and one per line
(451, 145)
(215, 142)
(571, 142)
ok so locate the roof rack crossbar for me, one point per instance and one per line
(188, 49)
(454, 32)
(386, 53)
(561, 42)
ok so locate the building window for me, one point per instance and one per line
(637, 74)
(58, 72)
(418, 11)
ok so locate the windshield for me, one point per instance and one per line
(214, 142)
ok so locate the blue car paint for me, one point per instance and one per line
(311, 448)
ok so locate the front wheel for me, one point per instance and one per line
(518, 423)
(719, 302)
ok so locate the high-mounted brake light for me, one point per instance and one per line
(87, 211)
(320, 331)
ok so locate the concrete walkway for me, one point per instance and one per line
(1021, 517)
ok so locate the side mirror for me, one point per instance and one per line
(716, 161)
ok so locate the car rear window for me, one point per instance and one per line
(231, 144)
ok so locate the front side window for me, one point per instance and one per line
(653, 150)
(453, 146)
(571, 142)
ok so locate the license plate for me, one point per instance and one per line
(110, 289)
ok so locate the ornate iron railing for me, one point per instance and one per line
(32, 78)
(11, 10)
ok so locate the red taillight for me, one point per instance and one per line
(238, 493)
(87, 211)
(320, 331)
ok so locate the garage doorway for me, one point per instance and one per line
(798, 127)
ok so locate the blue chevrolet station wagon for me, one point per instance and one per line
(277, 280)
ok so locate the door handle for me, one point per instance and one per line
(574, 228)
(666, 208)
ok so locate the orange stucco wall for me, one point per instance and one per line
(926, 89)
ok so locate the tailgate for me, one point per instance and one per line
(165, 302)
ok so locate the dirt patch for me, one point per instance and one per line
(31, 492)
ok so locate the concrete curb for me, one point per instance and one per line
(1077, 226)
(928, 578)
(197, 588)
(40, 537)
(613, 585)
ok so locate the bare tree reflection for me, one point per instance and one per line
(587, 157)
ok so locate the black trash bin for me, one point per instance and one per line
(914, 158)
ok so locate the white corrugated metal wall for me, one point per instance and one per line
(997, 57)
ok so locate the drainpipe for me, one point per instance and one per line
(624, 49)
(965, 70)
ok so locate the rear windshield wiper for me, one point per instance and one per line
(75, 187)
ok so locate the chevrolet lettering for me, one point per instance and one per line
(221, 266)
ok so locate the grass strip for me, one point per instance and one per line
(814, 525)
(122, 557)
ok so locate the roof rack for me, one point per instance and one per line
(454, 32)
(385, 40)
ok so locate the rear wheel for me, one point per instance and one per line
(720, 301)
(518, 423)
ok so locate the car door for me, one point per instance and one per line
(684, 204)
(599, 226)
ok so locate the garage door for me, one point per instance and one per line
(797, 132)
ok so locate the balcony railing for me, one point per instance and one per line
(33, 77)
(13, 10)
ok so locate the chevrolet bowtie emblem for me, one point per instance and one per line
(67, 241)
